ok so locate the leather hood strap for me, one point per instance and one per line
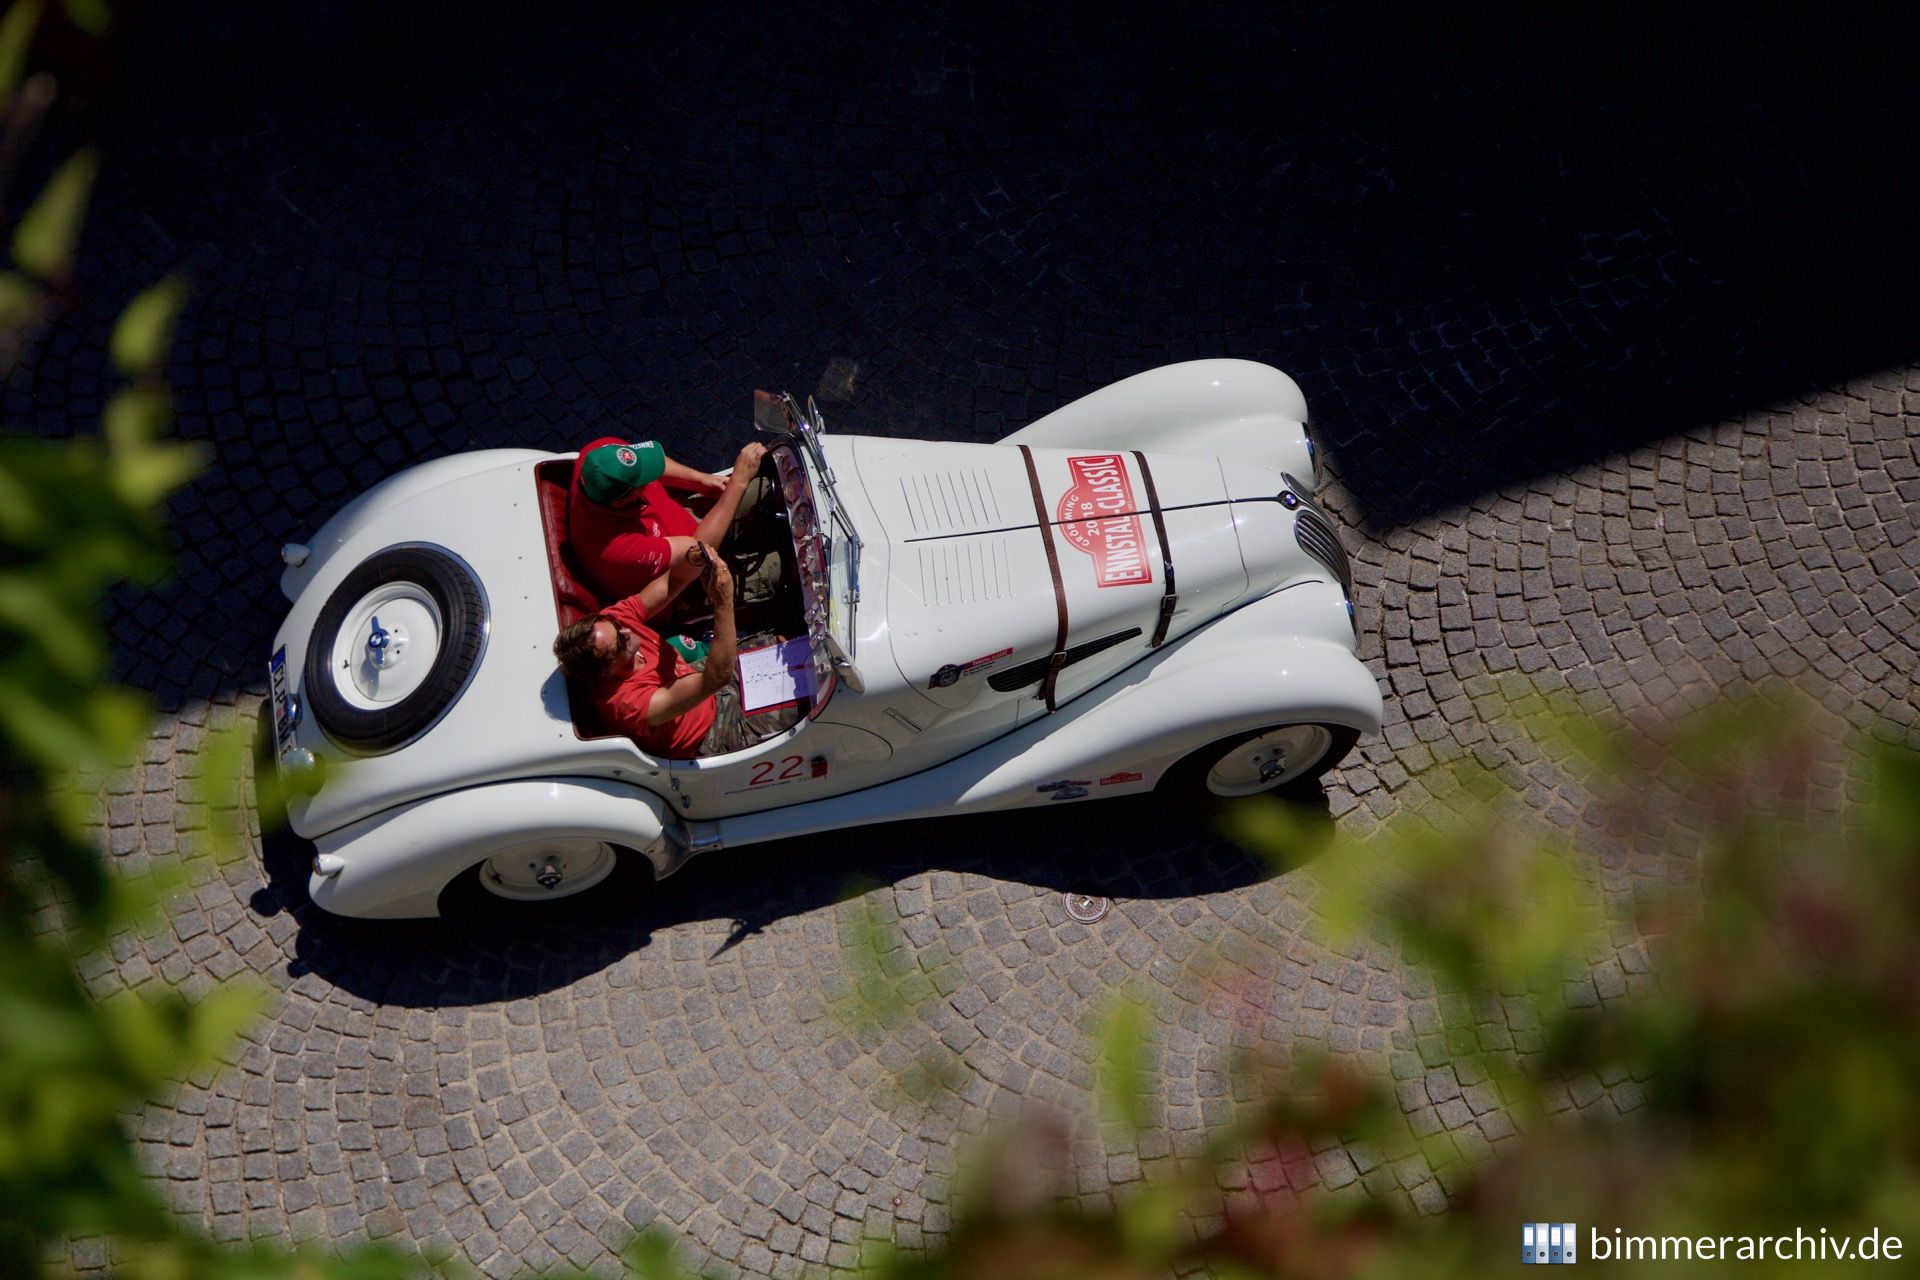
(1169, 598)
(1059, 658)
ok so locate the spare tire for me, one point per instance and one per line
(394, 646)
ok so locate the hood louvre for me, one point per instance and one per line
(950, 501)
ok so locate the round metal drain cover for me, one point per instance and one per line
(1086, 908)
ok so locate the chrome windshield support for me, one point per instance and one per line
(808, 425)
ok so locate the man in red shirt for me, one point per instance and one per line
(646, 690)
(623, 523)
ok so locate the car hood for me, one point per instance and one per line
(970, 587)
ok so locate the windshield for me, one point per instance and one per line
(826, 548)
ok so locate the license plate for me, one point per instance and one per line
(283, 716)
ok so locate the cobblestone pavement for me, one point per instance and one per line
(1582, 432)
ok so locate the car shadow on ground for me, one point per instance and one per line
(1124, 849)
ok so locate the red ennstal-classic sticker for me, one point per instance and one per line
(1096, 516)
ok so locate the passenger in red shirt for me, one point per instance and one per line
(623, 522)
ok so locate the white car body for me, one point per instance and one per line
(947, 584)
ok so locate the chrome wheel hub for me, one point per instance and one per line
(1271, 760)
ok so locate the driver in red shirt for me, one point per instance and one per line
(623, 522)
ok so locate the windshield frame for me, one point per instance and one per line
(807, 427)
(832, 593)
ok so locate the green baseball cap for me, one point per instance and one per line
(612, 471)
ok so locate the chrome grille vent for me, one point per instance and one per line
(1317, 538)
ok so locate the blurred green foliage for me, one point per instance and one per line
(78, 517)
(1767, 1052)
(884, 1000)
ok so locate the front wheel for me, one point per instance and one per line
(1269, 759)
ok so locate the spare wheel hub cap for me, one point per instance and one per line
(386, 645)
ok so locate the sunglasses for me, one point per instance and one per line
(626, 641)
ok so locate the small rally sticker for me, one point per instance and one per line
(951, 673)
(1096, 516)
(1120, 778)
(627, 456)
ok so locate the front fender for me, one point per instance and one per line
(397, 863)
(1287, 658)
(1236, 410)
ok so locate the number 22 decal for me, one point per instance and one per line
(788, 769)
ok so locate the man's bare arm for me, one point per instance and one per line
(681, 574)
(722, 650)
(686, 693)
(714, 525)
(678, 475)
(678, 698)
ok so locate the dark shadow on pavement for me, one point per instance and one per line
(494, 952)
(1490, 242)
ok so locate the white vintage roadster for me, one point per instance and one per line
(1135, 591)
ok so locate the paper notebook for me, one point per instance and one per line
(776, 675)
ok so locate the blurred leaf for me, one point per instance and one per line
(19, 301)
(91, 16)
(1152, 1220)
(52, 734)
(44, 241)
(218, 795)
(22, 515)
(16, 36)
(146, 469)
(70, 643)
(1283, 833)
(145, 328)
(1892, 808)
(872, 1000)
(1123, 1082)
(650, 1257)
(217, 1020)
(133, 420)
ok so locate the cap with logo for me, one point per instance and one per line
(612, 471)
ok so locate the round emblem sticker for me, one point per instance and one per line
(627, 456)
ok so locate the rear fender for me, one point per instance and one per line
(396, 863)
(1232, 409)
(392, 492)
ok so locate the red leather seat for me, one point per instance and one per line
(572, 600)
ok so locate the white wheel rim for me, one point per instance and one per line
(1271, 760)
(374, 668)
(547, 869)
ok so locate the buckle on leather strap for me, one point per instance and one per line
(1168, 603)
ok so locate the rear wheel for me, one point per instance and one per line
(546, 870)
(1281, 757)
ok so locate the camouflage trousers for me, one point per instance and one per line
(733, 729)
